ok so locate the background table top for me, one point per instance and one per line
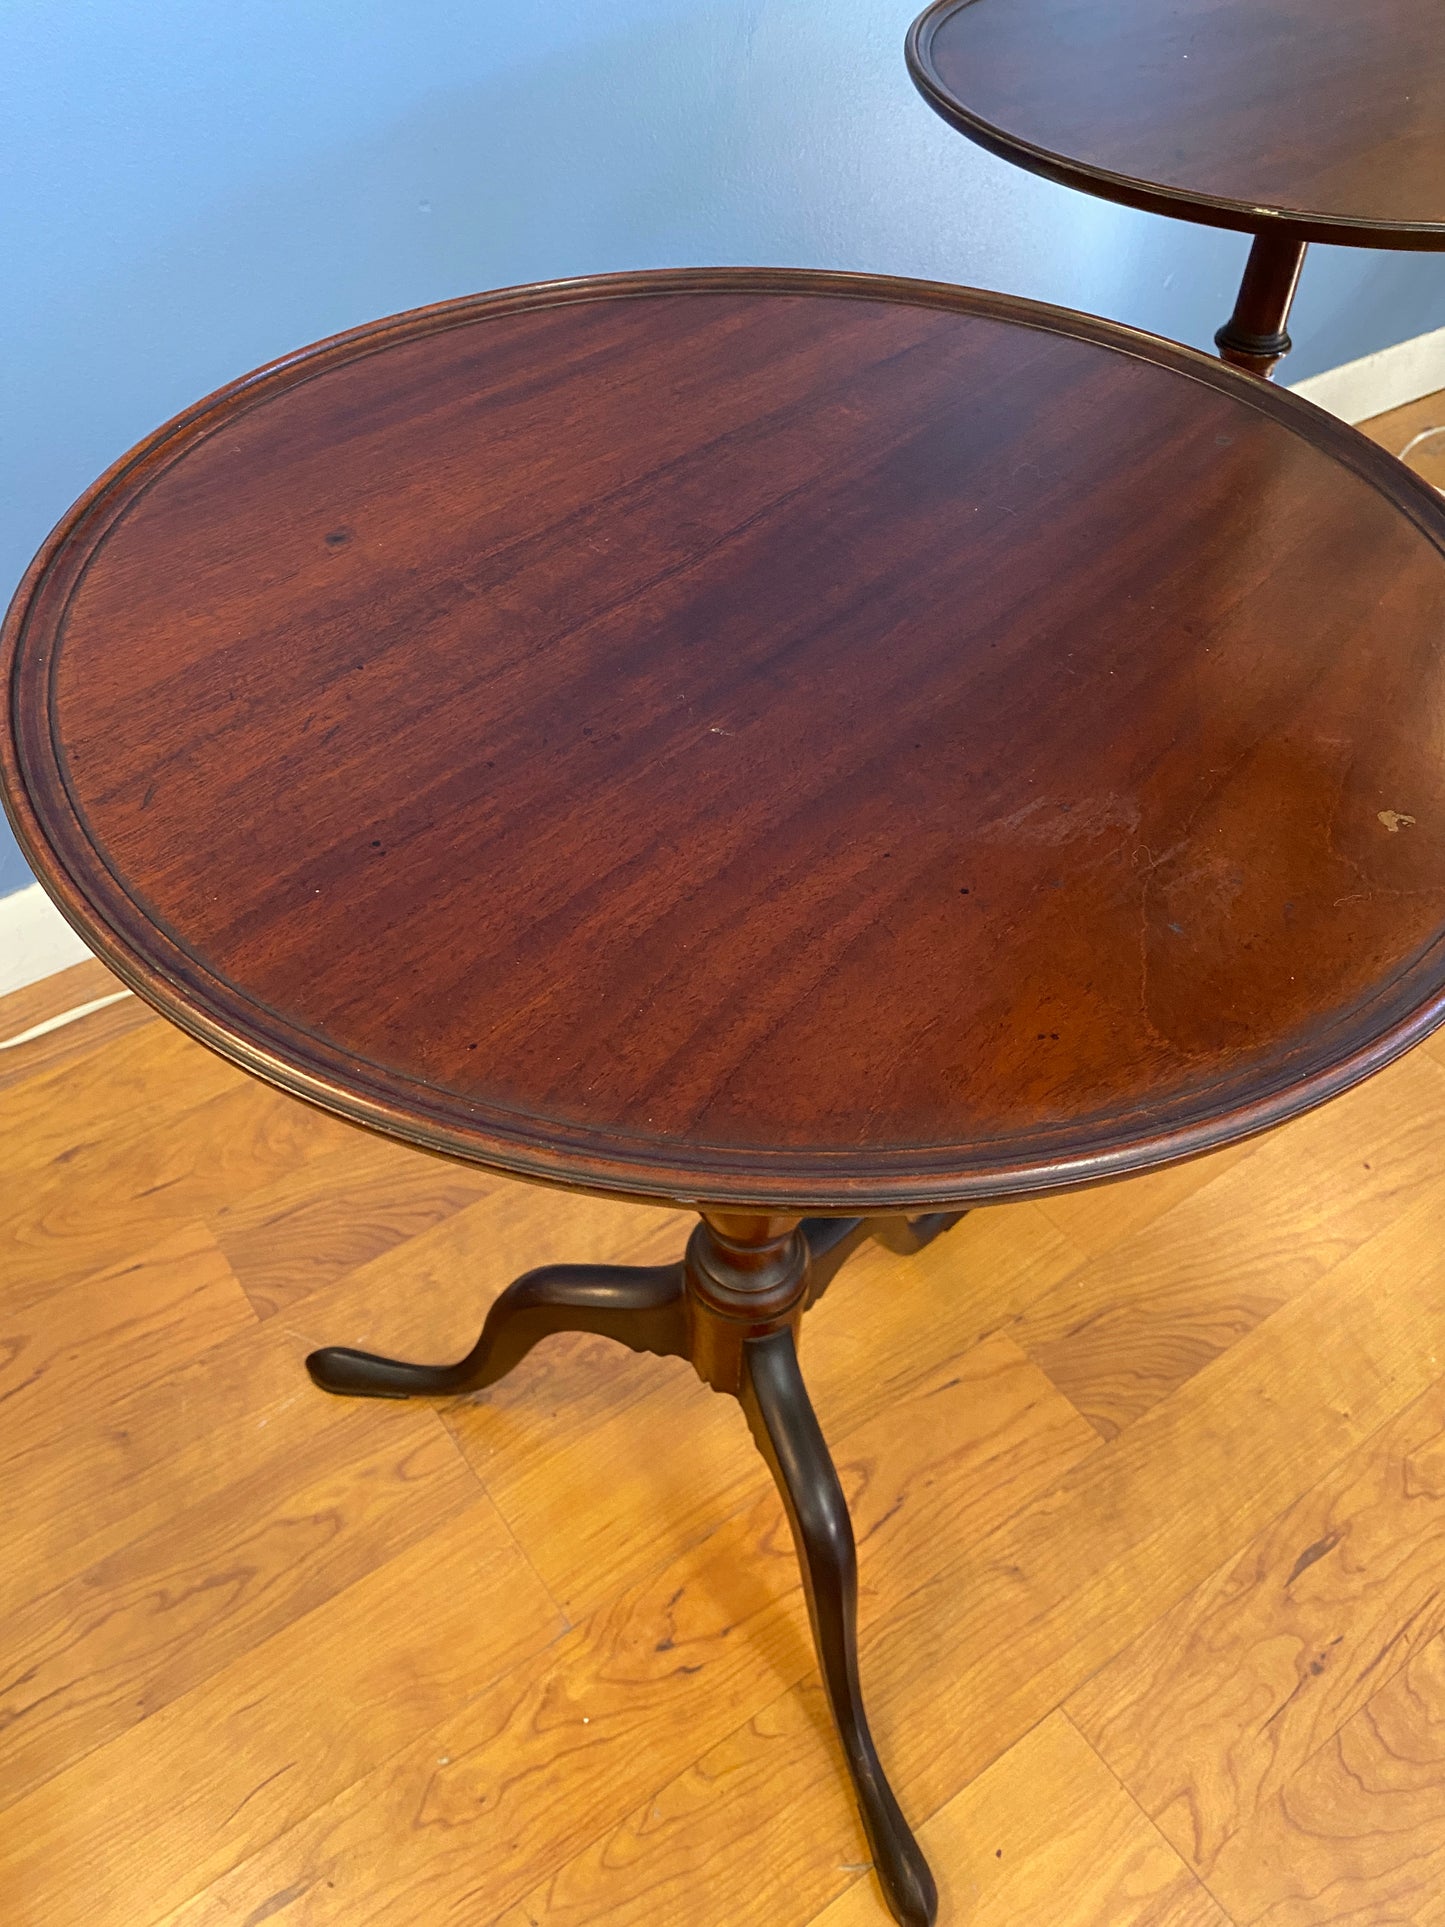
(1324, 119)
(751, 735)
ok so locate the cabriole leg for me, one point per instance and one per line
(787, 1431)
(641, 1307)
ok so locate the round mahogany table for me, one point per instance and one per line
(819, 749)
(1291, 120)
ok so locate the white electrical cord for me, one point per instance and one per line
(1425, 435)
(65, 1017)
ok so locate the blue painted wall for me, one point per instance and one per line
(191, 188)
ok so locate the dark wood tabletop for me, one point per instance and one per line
(755, 736)
(1320, 119)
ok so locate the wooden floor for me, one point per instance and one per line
(1149, 1484)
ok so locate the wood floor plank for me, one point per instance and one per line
(56, 1118)
(212, 1777)
(467, 1819)
(688, 1851)
(1105, 1215)
(95, 1474)
(583, 1508)
(1009, 1626)
(148, 1315)
(471, 1817)
(1211, 1710)
(1121, 1334)
(886, 1320)
(1045, 1838)
(91, 1658)
(1356, 1838)
(114, 1192)
(337, 1213)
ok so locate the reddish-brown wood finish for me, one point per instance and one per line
(1256, 334)
(1322, 119)
(777, 739)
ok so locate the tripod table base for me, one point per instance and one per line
(732, 1306)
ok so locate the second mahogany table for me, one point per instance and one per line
(820, 750)
(1291, 120)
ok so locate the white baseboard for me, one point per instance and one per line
(1385, 380)
(35, 940)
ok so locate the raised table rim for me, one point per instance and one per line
(157, 967)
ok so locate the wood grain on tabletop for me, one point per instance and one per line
(553, 743)
(242, 1671)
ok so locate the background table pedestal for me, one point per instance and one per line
(1255, 336)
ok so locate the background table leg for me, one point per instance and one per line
(907, 1235)
(832, 1241)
